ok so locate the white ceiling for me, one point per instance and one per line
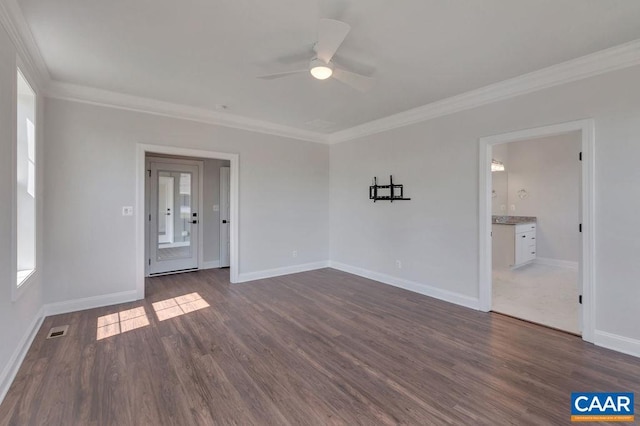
(206, 53)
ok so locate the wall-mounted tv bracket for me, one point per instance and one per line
(389, 192)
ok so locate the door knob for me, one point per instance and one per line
(225, 221)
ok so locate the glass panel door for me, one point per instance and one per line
(174, 219)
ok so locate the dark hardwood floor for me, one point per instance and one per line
(316, 348)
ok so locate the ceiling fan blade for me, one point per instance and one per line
(331, 34)
(359, 82)
(281, 74)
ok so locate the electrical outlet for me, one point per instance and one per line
(127, 211)
(398, 264)
(513, 207)
(294, 253)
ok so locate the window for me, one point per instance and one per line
(26, 181)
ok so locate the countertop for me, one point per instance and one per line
(512, 220)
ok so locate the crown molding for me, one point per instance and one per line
(13, 21)
(614, 58)
(93, 96)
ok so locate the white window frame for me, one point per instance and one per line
(18, 290)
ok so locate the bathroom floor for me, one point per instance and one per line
(543, 294)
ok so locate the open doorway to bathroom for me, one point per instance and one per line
(536, 225)
(536, 240)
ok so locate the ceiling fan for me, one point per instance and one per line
(331, 34)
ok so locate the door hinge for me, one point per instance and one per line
(149, 217)
(580, 228)
(149, 172)
(580, 299)
(150, 265)
(580, 156)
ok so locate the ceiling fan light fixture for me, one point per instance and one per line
(320, 70)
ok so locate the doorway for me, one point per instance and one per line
(174, 226)
(586, 245)
(142, 219)
(535, 230)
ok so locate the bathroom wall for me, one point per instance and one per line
(500, 182)
(548, 169)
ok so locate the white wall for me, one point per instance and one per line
(549, 170)
(16, 318)
(436, 233)
(500, 182)
(90, 175)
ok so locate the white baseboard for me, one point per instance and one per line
(211, 264)
(427, 290)
(556, 262)
(276, 272)
(617, 343)
(89, 302)
(11, 369)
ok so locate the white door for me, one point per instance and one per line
(179, 252)
(225, 192)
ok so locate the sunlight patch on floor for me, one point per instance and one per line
(177, 306)
(121, 322)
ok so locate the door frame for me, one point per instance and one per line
(141, 152)
(586, 127)
(149, 158)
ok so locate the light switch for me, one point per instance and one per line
(513, 207)
(216, 208)
(127, 211)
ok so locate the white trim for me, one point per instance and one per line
(425, 289)
(234, 162)
(76, 305)
(614, 58)
(607, 60)
(611, 59)
(617, 343)
(601, 62)
(18, 291)
(557, 262)
(13, 365)
(93, 96)
(15, 24)
(286, 270)
(587, 273)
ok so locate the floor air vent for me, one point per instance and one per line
(57, 332)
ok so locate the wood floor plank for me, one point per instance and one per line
(318, 348)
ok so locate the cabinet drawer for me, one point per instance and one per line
(525, 227)
(529, 237)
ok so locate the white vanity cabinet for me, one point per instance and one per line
(513, 245)
(525, 244)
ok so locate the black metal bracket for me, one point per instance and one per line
(396, 191)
